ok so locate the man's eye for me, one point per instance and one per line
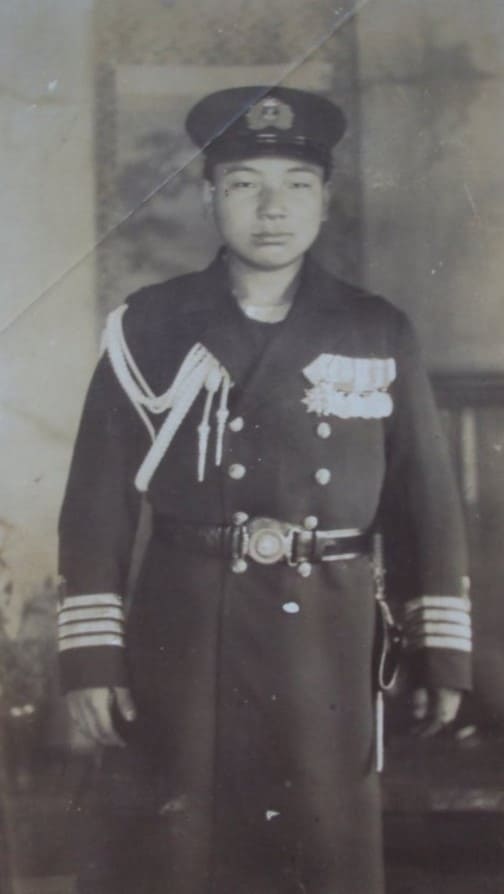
(300, 184)
(242, 184)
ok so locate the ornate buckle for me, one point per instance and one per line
(269, 541)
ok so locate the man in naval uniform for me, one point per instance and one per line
(273, 417)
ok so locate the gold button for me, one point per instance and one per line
(304, 569)
(236, 471)
(324, 430)
(322, 476)
(238, 566)
(291, 608)
(239, 518)
(237, 423)
(310, 522)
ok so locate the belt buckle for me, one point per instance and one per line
(269, 540)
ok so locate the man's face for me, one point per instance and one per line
(268, 210)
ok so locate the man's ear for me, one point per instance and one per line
(326, 200)
(207, 196)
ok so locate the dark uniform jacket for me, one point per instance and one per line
(255, 688)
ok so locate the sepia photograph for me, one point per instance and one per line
(252, 413)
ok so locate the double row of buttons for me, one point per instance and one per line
(237, 471)
(323, 429)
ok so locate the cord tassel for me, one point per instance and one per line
(212, 383)
(222, 415)
(379, 731)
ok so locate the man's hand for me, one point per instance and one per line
(435, 709)
(91, 711)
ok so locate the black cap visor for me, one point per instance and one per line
(266, 145)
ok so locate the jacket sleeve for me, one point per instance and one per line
(424, 529)
(96, 533)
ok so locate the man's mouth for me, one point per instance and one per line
(267, 237)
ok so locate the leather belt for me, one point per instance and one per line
(265, 540)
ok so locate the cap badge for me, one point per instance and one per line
(270, 112)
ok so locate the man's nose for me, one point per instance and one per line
(271, 202)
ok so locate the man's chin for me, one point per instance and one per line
(269, 257)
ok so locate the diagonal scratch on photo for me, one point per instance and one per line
(252, 409)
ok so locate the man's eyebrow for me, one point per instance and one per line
(230, 169)
(302, 169)
(239, 167)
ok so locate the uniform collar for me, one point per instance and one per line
(304, 334)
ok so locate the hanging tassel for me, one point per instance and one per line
(212, 383)
(379, 585)
(379, 731)
(222, 415)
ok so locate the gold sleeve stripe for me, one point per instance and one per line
(91, 600)
(89, 614)
(82, 627)
(438, 614)
(459, 643)
(99, 639)
(425, 602)
(421, 623)
(439, 628)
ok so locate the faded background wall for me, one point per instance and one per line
(417, 212)
(47, 283)
(431, 78)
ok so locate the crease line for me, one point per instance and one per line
(314, 48)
